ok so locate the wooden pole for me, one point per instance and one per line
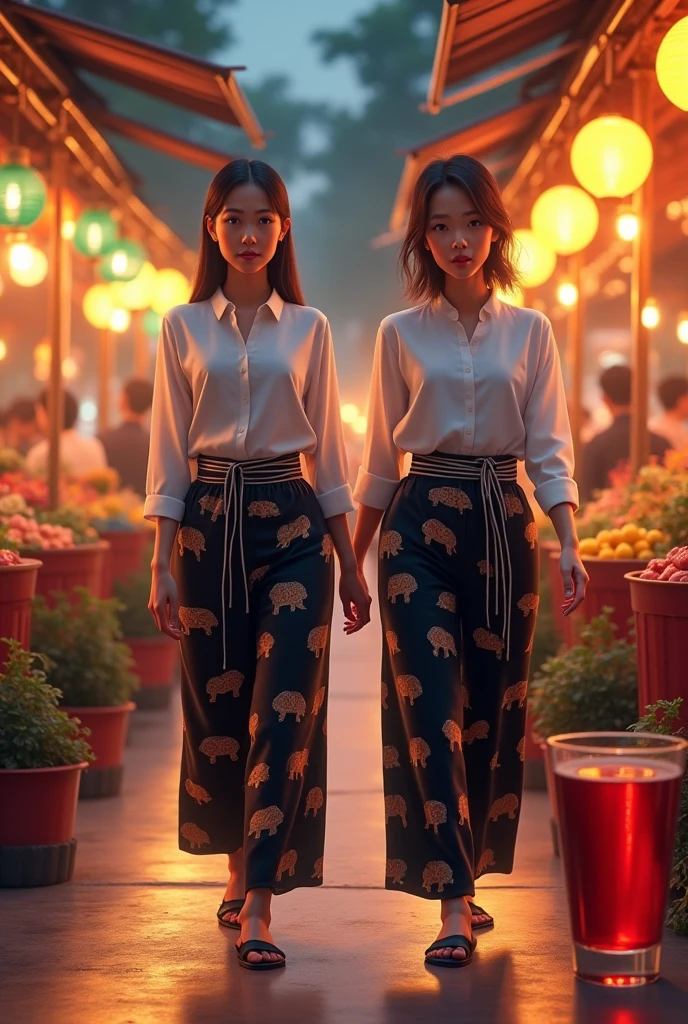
(641, 280)
(105, 369)
(141, 361)
(575, 355)
(56, 300)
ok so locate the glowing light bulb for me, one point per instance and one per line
(3, 349)
(360, 425)
(627, 226)
(94, 237)
(674, 209)
(349, 412)
(13, 198)
(68, 230)
(682, 328)
(120, 263)
(69, 368)
(567, 294)
(120, 320)
(650, 315)
(21, 256)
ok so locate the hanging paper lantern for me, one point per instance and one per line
(151, 323)
(611, 156)
(119, 320)
(565, 218)
(22, 191)
(95, 232)
(139, 292)
(98, 305)
(28, 265)
(171, 289)
(122, 261)
(535, 260)
(682, 328)
(567, 294)
(672, 64)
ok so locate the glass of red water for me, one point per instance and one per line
(617, 800)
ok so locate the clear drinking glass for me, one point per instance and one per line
(617, 799)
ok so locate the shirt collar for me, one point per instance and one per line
(491, 307)
(220, 302)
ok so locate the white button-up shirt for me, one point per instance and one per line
(216, 395)
(499, 394)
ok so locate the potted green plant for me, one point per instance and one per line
(92, 667)
(42, 754)
(17, 588)
(590, 687)
(664, 717)
(155, 655)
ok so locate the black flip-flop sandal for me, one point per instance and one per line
(451, 942)
(226, 907)
(258, 946)
(475, 910)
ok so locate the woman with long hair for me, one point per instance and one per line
(245, 384)
(469, 385)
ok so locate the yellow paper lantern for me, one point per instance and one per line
(627, 226)
(567, 294)
(119, 320)
(682, 328)
(171, 289)
(649, 316)
(137, 293)
(565, 218)
(28, 265)
(535, 260)
(98, 305)
(360, 425)
(611, 156)
(3, 349)
(672, 64)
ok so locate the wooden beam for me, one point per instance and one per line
(445, 40)
(56, 300)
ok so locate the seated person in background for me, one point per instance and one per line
(22, 430)
(78, 454)
(126, 446)
(612, 446)
(671, 424)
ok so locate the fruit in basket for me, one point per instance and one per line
(8, 557)
(679, 557)
(679, 577)
(629, 542)
(624, 550)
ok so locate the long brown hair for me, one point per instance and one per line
(211, 269)
(423, 279)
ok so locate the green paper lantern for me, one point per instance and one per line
(22, 193)
(151, 323)
(95, 232)
(122, 260)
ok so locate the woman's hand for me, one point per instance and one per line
(575, 578)
(164, 603)
(356, 600)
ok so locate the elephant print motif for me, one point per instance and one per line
(419, 752)
(453, 733)
(263, 509)
(437, 531)
(228, 682)
(494, 763)
(252, 726)
(435, 814)
(528, 603)
(477, 731)
(289, 702)
(196, 618)
(385, 694)
(409, 687)
(257, 575)
(437, 872)
(513, 505)
(521, 748)
(395, 807)
(464, 815)
(517, 692)
(327, 547)
(214, 505)
(465, 697)
(290, 595)
(297, 764)
(390, 543)
(192, 540)
(266, 642)
(318, 700)
(441, 640)
(218, 746)
(504, 805)
(287, 863)
(318, 868)
(402, 583)
(452, 497)
(531, 534)
(485, 568)
(392, 641)
(314, 801)
(290, 531)
(260, 774)
(390, 757)
(269, 819)
(197, 793)
(317, 639)
(396, 869)
(194, 835)
(488, 641)
(447, 601)
(486, 861)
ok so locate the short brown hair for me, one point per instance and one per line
(138, 394)
(422, 277)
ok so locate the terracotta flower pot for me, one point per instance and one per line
(80, 566)
(17, 589)
(155, 662)
(661, 617)
(609, 586)
(125, 557)
(37, 844)
(108, 735)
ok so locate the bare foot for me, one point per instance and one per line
(254, 926)
(235, 886)
(477, 919)
(456, 920)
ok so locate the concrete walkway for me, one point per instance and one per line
(134, 940)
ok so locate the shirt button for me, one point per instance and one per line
(469, 431)
(245, 401)
(241, 430)
(469, 409)
(464, 343)
(243, 370)
(468, 369)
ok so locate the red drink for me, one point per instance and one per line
(617, 818)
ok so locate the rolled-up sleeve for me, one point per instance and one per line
(169, 475)
(383, 462)
(327, 465)
(549, 446)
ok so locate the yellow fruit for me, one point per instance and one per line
(606, 552)
(615, 537)
(654, 537)
(630, 533)
(642, 530)
(640, 545)
(624, 550)
(603, 537)
(588, 546)
(645, 554)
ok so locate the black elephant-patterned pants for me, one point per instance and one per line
(458, 580)
(255, 572)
